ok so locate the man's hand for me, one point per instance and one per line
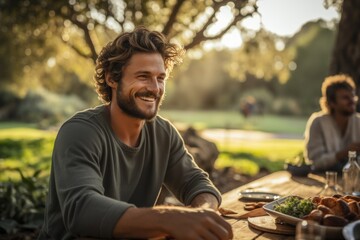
(196, 223)
(180, 223)
(343, 154)
(354, 147)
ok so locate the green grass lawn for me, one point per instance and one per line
(248, 156)
(25, 147)
(234, 120)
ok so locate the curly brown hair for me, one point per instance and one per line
(116, 55)
(329, 87)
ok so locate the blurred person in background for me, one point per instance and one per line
(109, 163)
(335, 130)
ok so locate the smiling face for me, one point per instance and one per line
(140, 91)
(345, 102)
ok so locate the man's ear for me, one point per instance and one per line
(109, 81)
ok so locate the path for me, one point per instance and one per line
(216, 134)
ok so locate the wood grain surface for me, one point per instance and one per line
(268, 224)
(281, 183)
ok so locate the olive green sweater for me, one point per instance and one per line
(95, 177)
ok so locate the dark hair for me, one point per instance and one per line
(116, 54)
(329, 87)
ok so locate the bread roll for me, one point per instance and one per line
(325, 209)
(354, 207)
(352, 198)
(344, 207)
(316, 200)
(351, 216)
(334, 221)
(315, 215)
(336, 211)
(328, 201)
(337, 196)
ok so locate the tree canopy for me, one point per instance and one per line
(36, 35)
(85, 25)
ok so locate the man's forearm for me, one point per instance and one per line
(342, 155)
(205, 200)
(139, 221)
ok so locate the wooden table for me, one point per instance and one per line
(281, 183)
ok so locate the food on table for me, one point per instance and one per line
(336, 211)
(296, 207)
(226, 211)
(253, 205)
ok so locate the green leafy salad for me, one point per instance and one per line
(295, 207)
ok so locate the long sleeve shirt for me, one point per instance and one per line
(95, 177)
(323, 139)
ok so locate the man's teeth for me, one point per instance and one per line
(148, 99)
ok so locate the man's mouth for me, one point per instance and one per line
(148, 99)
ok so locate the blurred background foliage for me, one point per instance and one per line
(41, 90)
(276, 79)
(48, 50)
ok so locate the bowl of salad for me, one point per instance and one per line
(289, 209)
(294, 209)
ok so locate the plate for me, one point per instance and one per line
(352, 231)
(258, 196)
(329, 232)
(269, 208)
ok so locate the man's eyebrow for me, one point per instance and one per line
(148, 72)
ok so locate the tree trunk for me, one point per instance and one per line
(346, 55)
(204, 152)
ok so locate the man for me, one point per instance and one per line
(334, 131)
(109, 163)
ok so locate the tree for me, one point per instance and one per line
(205, 83)
(346, 53)
(313, 44)
(263, 56)
(95, 22)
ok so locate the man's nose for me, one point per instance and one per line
(154, 85)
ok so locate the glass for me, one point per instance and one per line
(308, 230)
(351, 175)
(331, 187)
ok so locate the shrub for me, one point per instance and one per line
(24, 168)
(286, 107)
(29, 155)
(22, 203)
(46, 108)
(8, 103)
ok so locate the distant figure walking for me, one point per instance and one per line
(248, 106)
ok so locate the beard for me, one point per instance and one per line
(347, 113)
(128, 104)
